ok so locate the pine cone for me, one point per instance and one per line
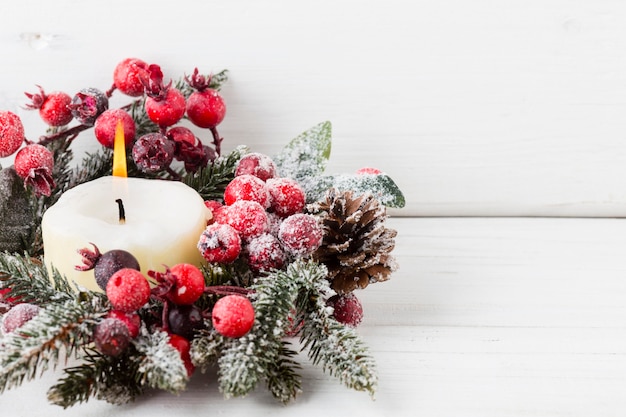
(356, 246)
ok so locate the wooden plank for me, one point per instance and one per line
(475, 108)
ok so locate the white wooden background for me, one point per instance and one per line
(475, 108)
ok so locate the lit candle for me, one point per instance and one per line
(163, 222)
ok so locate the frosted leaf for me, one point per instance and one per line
(306, 155)
(381, 186)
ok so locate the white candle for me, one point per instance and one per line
(164, 220)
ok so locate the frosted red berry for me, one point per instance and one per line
(368, 171)
(213, 206)
(246, 187)
(11, 133)
(111, 336)
(18, 315)
(219, 243)
(128, 290)
(347, 309)
(167, 111)
(153, 152)
(88, 104)
(34, 164)
(233, 316)
(188, 285)
(249, 218)
(273, 223)
(286, 196)
(206, 108)
(183, 347)
(257, 164)
(301, 234)
(54, 108)
(127, 76)
(264, 253)
(106, 125)
(131, 320)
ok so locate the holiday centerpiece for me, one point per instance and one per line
(158, 254)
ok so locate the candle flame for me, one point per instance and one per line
(119, 152)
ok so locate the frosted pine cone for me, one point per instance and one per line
(356, 245)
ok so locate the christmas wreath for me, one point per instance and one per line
(284, 247)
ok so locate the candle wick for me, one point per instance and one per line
(122, 213)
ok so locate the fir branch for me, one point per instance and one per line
(211, 181)
(30, 282)
(333, 345)
(160, 366)
(92, 166)
(108, 378)
(207, 347)
(261, 353)
(37, 345)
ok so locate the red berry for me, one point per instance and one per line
(127, 76)
(286, 196)
(131, 320)
(347, 309)
(11, 133)
(246, 187)
(273, 223)
(220, 215)
(111, 336)
(220, 243)
(233, 316)
(189, 285)
(18, 315)
(249, 218)
(206, 108)
(257, 164)
(34, 165)
(106, 124)
(264, 253)
(183, 347)
(368, 171)
(213, 206)
(153, 152)
(88, 104)
(301, 234)
(167, 111)
(54, 108)
(128, 290)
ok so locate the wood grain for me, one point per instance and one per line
(481, 108)
(485, 317)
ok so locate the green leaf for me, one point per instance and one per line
(381, 186)
(306, 156)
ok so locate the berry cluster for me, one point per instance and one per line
(260, 220)
(154, 151)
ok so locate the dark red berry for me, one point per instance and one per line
(11, 133)
(18, 315)
(88, 104)
(185, 320)
(206, 108)
(249, 218)
(167, 111)
(183, 347)
(220, 243)
(347, 309)
(111, 262)
(131, 320)
(189, 149)
(188, 285)
(153, 152)
(128, 290)
(111, 336)
(233, 316)
(54, 108)
(106, 125)
(246, 187)
(34, 165)
(286, 196)
(264, 253)
(301, 234)
(257, 164)
(128, 75)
